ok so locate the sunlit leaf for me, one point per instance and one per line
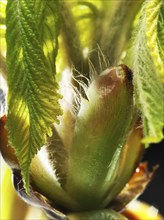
(47, 13)
(146, 61)
(155, 43)
(33, 99)
(160, 35)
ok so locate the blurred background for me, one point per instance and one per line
(154, 194)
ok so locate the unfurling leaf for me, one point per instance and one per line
(102, 125)
(32, 99)
(148, 66)
(128, 162)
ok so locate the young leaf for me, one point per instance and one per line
(32, 99)
(147, 65)
(160, 35)
(102, 124)
(152, 11)
(47, 13)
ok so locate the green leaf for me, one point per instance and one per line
(152, 17)
(47, 13)
(32, 98)
(160, 35)
(128, 161)
(146, 62)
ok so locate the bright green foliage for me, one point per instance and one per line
(152, 11)
(160, 35)
(32, 100)
(147, 64)
(47, 14)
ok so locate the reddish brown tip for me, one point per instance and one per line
(3, 120)
(128, 72)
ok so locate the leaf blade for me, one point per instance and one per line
(148, 85)
(33, 99)
(152, 17)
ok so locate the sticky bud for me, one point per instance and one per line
(102, 126)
